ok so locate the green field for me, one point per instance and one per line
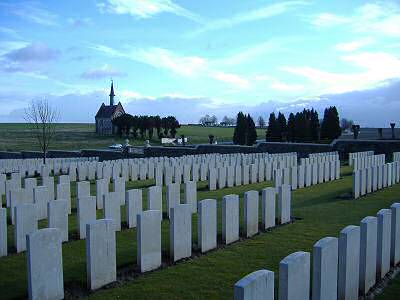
(18, 137)
(323, 210)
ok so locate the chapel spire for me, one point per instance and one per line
(112, 93)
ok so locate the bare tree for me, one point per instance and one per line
(41, 117)
(261, 122)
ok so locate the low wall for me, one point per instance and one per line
(344, 147)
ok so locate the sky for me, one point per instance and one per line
(191, 58)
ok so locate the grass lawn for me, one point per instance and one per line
(17, 137)
(322, 208)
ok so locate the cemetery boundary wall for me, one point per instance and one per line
(344, 147)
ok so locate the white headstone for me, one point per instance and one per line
(230, 218)
(101, 267)
(395, 234)
(207, 225)
(349, 263)
(368, 252)
(181, 231)
(325, 269)
(384, 237)
(294, 277)
(58, 217)
(149, 240)
(86, 207)
(134, 206)
(251, 200)
(112, 209)
(45, 268)
(258, 285)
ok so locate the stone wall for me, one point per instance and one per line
(303, 149)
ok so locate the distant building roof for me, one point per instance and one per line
(107, 111)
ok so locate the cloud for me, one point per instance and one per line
(379, 18)
(146, 8)
(354, 45)
(80, 22)
(376, 68)
(183, 65)
(230, 78)
(264, 12)
(104, 71)
(327, 20)
(34, 52)
(33, 12)
(282, 86)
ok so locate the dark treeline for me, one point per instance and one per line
(304, 126)
(245, 131)
(146, 126)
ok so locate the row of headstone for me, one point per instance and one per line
(370, 180)
(308, 174)
(320, 157)
(32, 167)
(342, 268)
(368, 161)
(356, 155)
(44, 254)
(165, 170)
(396, 156)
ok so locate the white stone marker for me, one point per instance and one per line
(300, 176)
(30, 184)
(49, 183)
(212, 179)
(181, 232)
(380, 176)
(86, 207)
(369, 180)
(325, 269)
(308, 169)
(384, 237)
(112, 209)
(321, 168)
(101, 190)
(173, 196)
(395, 234)
(349, 263)
(119, 189)
(238, 175)
(363, 182)
(294, 175)
(258, 285)
(374, 179)
(155, 198)
(3, 232)
(45, 268)
(58, 217)
(149, 240)
(230, 176)
(368, 252)
(268, 207)
(221, 177)
(82, 189)
(251, 200)
(17, 197)
(314, 171)
(64, 193)
(245, 174)
(190, 195)
(134, 206)
(294, 277)
(356, 184)
(40, 199)
(230, 218)
(101, 266)
(25, 223)
(284, 203)
(207, 225)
